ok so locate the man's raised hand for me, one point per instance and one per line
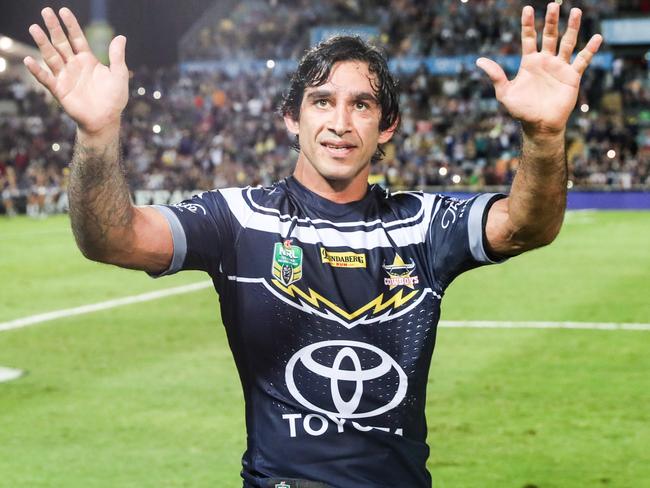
(545, 90)
(93, 94)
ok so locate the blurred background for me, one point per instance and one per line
(207, 77)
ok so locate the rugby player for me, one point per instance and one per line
(330, 289)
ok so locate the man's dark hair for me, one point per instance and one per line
(315, 67)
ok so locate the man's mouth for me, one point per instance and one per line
(338, 148)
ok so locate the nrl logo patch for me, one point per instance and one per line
(287, 262)
(399, 273)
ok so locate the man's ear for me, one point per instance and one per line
(386, 135)
(292, 125)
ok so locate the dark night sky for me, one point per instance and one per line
(152, 27)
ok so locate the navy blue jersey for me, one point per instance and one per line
(331, 313)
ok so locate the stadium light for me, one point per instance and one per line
(270, 64)
(141, 91)
(455, 179)
(611, 154)
(56, 147)
(156, 129)
(6, 43)
(157, 95)
(464, 1)
(584, 108)
(3, 65)
(442, 171)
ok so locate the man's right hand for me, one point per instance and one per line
(93, 94)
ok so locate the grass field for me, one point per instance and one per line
(147, 396)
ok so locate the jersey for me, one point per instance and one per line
(331, 313)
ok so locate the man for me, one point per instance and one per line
(330, 289)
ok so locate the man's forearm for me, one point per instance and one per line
(101, 211)
(538, 195)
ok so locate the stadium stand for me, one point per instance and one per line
(185, 130)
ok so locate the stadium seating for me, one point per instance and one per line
(213, 129)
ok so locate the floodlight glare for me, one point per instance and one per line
(6, 43)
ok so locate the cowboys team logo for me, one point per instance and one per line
(400, 273)
(287, 262)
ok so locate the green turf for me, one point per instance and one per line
(147, 395)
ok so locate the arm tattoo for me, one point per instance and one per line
(100, 203)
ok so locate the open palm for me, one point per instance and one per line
(93, 94)
(544, 92)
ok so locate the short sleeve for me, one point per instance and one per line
(199, 228)
(456, 239)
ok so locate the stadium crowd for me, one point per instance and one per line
(280, 30)
(185, 131)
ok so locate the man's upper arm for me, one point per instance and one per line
(503, 237)
(497, 228)
(150, 247)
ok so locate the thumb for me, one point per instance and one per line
(494, 72)
(116, 53)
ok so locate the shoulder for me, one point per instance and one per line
(253, 198)
(402, 205)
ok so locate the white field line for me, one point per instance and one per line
(480, 324)
(154, 295)
(9, 374)
(96, 307)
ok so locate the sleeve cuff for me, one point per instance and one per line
(476, 228)
(179, 240)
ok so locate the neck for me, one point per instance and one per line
(335, 190)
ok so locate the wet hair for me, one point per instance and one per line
(314, 70)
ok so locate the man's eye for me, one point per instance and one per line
(361, 106)
(321, 103)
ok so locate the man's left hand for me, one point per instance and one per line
(545, 90)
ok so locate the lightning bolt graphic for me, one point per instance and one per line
(377, 305)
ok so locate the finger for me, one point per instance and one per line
(117, 53)
(58, 36)
(551, 33)
(495, 73)
(570, 37)
(50, 55)
(584, 57)
(528, 33)
(75, 34)
(44, 77)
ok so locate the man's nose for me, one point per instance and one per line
(341, 120)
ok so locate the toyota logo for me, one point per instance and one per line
(324, 381)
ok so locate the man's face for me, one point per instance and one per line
(338, 127)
